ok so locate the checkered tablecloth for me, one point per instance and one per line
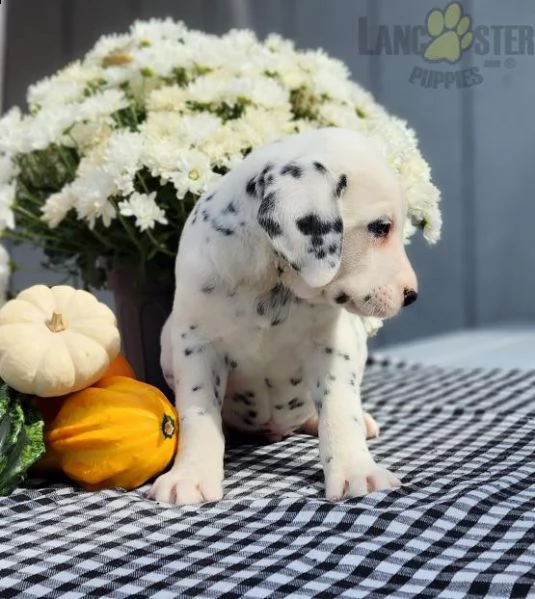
(462, 525)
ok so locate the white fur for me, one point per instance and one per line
(256, 337)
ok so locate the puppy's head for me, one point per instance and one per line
(337, 221)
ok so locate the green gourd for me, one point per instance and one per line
(21, 438)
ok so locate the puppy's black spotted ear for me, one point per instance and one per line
(300, 212)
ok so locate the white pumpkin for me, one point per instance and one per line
(55, 340)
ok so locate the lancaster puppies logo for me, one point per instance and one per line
(441, 43)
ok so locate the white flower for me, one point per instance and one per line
(161, 156)
(107, 45)
(7, 198)
(193, 173)
(57, 206)
(10, 131)
(167, 98)
(47, 127)
(144, 209)
(66, 86)
(5, 271)
(338, 115)
(122, 159)
(92, 191)
(154, 30)
(7, 169)
(161, 59)
(101, 104)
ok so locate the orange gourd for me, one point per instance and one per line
(119, 366)
(49, 408)
(119, 433)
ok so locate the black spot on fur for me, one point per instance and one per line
(251, 187)
(275, 304)
(329, 459)
(279, 407)
(248, 393)
(270, 226)
(328, 350)
(196, 388)
(248, 421)
(296, 381)
(241, 398)
(205, 215)
(230, 208)
(188, 351)
(338, 226)
(233, 364)
(295, 266)
(312, 224)
(343, 298)
(319, 167)
(183, 336)
(341, 185)
(292, 169)
(209, 288)
(222, 229)
(209, 198)
(332, 249)
(252, 414)
(317, 240)
(268, 203)
(192, 327)
(269, 384)
(295, 403)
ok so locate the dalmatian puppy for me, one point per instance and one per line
(275, 268)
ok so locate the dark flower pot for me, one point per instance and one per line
(141, 310)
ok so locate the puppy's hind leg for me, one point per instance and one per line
(199, 377)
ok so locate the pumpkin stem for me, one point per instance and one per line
(168, 427)
(56, 323)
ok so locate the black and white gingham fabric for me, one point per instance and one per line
(462, 525)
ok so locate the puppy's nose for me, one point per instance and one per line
(409, 297)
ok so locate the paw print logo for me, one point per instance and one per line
(450, 34)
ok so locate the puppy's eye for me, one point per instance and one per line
(379, 228)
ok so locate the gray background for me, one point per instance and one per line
(479, 141)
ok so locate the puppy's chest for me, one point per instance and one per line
(266, 357)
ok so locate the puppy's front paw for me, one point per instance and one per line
(187, 485)
(349, 477)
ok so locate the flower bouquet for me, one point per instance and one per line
(117, 147)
